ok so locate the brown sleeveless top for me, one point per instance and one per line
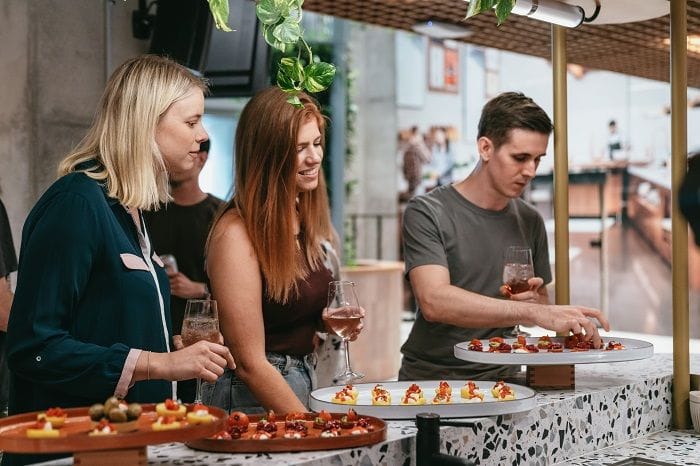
(290, 328)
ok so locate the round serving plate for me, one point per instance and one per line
(74, 434)
(633, 349)
(524, 400)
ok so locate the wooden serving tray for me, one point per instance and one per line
(313, 441)
(74, 434)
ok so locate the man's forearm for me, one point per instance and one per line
(452, 305)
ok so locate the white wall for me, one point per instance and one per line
(636, 104)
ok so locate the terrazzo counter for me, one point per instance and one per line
(612, 404)
(674, 447)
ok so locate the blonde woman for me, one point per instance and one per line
(90, 318)
(266, 256)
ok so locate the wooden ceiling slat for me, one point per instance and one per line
(637, 49)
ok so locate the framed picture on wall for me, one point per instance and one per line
(443, 66)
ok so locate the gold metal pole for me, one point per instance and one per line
(679, 227)
(561, 168)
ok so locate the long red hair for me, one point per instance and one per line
(265, 194)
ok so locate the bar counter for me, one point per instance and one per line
(616, 408)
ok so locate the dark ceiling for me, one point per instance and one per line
(636, 49)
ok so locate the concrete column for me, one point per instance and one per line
(374, 165)
(53, 71)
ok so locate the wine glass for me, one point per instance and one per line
(169, 263)
(344, 315)
(517, 270)
(201, 322)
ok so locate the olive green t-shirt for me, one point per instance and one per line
(443, 228)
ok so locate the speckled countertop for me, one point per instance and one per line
(679, 448)
(597, 423)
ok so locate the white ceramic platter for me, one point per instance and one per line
(524, 401)
(634, 349)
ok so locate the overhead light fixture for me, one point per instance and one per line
(551, 11)
(622, 11)
(571, 13)
(441, 30)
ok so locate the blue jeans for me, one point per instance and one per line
(232, 394)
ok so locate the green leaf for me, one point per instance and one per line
(503, 9)
(479, 6)
(271, 11)
(295, 13)
(219, 10)
(318, 76)
(294, 100)
(273, 41)
(289, 31)
(290, 75)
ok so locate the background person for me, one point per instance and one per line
(180, 227)
(614, 140)
(8, 264)
(414, 153)
(267, 257)
(454, 238)
(442, 159)
(90, 318)
(689, 195)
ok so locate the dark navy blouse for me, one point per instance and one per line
(86, 295)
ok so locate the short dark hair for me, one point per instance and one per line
(204, 146)
(511, 110)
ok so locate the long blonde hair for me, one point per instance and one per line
(265, 194)
(122, 136)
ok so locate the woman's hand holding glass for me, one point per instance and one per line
(203, 360)
(201, 325)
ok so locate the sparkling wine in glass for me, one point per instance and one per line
(201, 322)
(344, 315)
(517, 270)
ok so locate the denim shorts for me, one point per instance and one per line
(232, 394)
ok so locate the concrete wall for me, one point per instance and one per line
(52, 69)
(374, 165)
(15, 119)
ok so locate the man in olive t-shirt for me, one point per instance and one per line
(454, 238)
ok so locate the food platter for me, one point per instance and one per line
(73, 436)
(633, 349)
(313, 441)
(524, 401)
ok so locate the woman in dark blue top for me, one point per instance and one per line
(90, 318)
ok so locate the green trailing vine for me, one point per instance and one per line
(502, 8)
(281, 25)
(219, 10)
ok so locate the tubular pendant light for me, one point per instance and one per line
(551, 11)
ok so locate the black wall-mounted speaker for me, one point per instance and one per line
(235, 63)
(181, 30)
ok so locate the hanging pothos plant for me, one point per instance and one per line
(281, 25)
(502, 8)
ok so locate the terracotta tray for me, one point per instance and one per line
(74, 434)
(634, 349)
(524, 400)
(313, 441)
